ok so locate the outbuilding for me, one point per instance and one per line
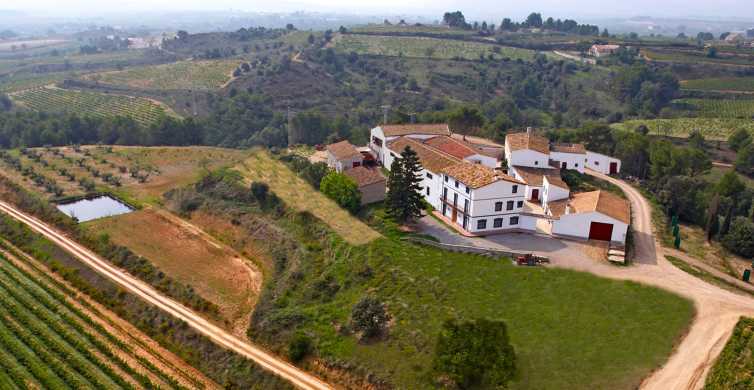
(596, 215)
(371, 183)
(602, 163)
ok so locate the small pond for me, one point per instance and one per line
(94, 208)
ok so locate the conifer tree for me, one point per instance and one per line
(404, 198)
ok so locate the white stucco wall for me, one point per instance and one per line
(551, 192)
(578, 225)
(528, 158)
(342, 165)
(574, 161)
(600, 162)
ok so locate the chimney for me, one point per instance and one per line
(528, 130)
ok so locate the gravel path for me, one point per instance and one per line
(718, 310)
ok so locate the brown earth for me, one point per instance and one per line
(190, 255)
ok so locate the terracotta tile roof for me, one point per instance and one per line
(476, 175)
(521, 141)
(364, 176)
(534, 176)
(431, 159)
(603, 202)
(343, 150)
(557, 207)
(569, 148)
(414, 128)
(453, 147)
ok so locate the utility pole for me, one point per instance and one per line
(385, 110)
(289, 115)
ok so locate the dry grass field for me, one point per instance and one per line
(218, 273)
(298, 194)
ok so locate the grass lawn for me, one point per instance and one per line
(201, 75)
(299, 195)
(712, 128)
(734, 368)
(421, 47)
(570, 330)
(217, 273)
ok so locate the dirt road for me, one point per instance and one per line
(717, 310)
(266, 360)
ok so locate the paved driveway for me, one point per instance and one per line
(560, 252)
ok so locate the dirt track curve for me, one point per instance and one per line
(283, 369)
(717, 310)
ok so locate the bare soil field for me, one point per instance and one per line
(188, 254)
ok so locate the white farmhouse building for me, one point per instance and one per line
(596, 215)
(481, 199)
(342, 156)
(467, 188)
(382, 135)
(569, 156)
(602, 163)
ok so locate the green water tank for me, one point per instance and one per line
(747, 275)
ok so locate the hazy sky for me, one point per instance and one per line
(478, 9)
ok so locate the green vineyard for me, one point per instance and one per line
(421, 47)
(47, 341)
(48, 99)
(201, 75)
(712, 128)
(719, 108)
(736, 84)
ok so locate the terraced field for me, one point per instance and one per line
(90, 103)
(720, 108)
(735, 84)
(299, 195)
(202, 75)
(48, 339)
(712, 128)
(16, 84)
(420, 47)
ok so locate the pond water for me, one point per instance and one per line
(89, 209)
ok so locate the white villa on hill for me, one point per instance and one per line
(465, 184)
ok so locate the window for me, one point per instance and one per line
(498, 206)
(393, 154)
(514, 221)
(536, 162)
(465, 206)
(456, 183)
(481, 224)
(446, 178)
(515, 188)
(377, 141)
(427, 191)
(429, 175)
(576, 165)
(497, 223)
(468, 190)
(520, 204)
(509, 206)
(596, 163)
(356, 164)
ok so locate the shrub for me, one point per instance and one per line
(475, 354)
(299, 346)
(740, 239)
(260, 190)
(343, 190)
(369, 316)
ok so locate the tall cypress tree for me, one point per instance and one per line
(395, 195)
(404, 198)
